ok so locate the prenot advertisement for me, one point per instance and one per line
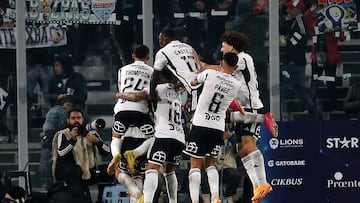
(313, 162)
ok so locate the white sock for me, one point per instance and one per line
(171, 186)
(194, 184)
(138, 180)
(150, 185)
(213, 178)
(115, 146)
(129, 184)
(144, 147)
(254, 165)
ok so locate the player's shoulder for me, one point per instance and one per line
(209, 71)
(243, 54)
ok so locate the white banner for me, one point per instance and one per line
(66, 11)
(36, 36)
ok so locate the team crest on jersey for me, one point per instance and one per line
(192, 147)
(119, 127)
(159, 156)
(216, 150)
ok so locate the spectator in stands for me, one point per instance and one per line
(194, 25)
(75, 152)
(216, 27)
(352, 100)
(67, 82)
(163, 17)
(55, 120)
(12, 194)
(293, 70)
(249, 19)
(7, 92)
(38, 72)
(325, 56)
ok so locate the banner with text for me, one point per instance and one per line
(313, 157)
(64, 11)
(36, 36)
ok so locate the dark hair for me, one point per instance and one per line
(238, 40)
(169, 33)
(75, 108)
(141, 51)
(66, 62)
(231, 59)
(168, 76)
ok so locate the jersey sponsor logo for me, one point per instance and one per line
(342, 143)
(285, 163)
(338, 182)
(212, 117)
(287, 181)
(159, 156)
(275, 143)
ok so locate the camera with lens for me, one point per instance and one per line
(92, 126)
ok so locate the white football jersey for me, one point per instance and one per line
(218, 92)
(180, 59)
(168, 114)
(249, 96)
(134, 77)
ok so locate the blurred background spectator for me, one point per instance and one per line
(352, 100)
(294, 29)
(251, 19)
(67, 82)
(325, 57)
(219, 13)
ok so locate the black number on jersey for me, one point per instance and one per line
(215, 102)
(174, 114)
(190, 62)
(131, 84)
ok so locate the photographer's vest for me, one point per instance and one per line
(83, 153)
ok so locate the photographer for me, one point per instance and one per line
(76, 151)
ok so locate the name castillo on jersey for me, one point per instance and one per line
(181, 61)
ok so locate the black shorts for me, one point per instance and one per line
(248, 129)
(166, 149)
(204, 142)
(131, 143)
(125, 119)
